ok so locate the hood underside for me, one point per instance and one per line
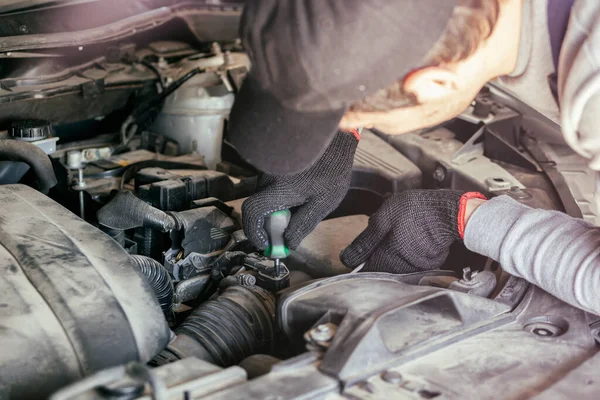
(34, 25)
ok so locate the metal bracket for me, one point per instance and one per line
(471, 149)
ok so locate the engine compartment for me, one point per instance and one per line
(68, 291)
(133, 277)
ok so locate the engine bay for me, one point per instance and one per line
(127, 273)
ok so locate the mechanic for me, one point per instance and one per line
(322, 68)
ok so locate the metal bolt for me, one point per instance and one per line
(323, 328)
(81, 184)
(23, 29)
(541, 332)
(276, 268)
(547, 326)
(319, 338)
(517, 193)
(439, 174)
(80, 181)
(246, 279)
(322, 333)
(392, 377)
(74, 159)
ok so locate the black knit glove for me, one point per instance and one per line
(311, 194)
(412, 231)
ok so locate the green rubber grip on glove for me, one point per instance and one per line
(275, 226)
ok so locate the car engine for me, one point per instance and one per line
(127, 274)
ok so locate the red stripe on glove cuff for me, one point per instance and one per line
(462, 209)
(355, 133)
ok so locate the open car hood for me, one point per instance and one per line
(28, 25)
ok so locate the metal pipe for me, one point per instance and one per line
(81, 185)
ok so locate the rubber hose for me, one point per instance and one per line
(30, 154)
(159, 279)
(235, 325)
(125, 211)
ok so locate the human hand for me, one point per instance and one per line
(412, 231)
(311, 194)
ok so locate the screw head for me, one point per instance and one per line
(322, 333)
(547, 326)
(542, 332)
(439, 174)
(517, 193)
(247, 279)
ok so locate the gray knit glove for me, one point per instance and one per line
(311, 194)
(412, 231)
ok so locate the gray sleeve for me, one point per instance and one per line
(558, 253)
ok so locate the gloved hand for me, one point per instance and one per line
(315, 192)
(412, 231)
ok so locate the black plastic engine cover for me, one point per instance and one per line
(382, 319)
(378, 169)
(71, 301)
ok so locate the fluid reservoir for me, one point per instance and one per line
(37, 132)
(194, 115)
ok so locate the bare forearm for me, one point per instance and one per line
(558, 253)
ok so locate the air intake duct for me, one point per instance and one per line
(226, 330)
